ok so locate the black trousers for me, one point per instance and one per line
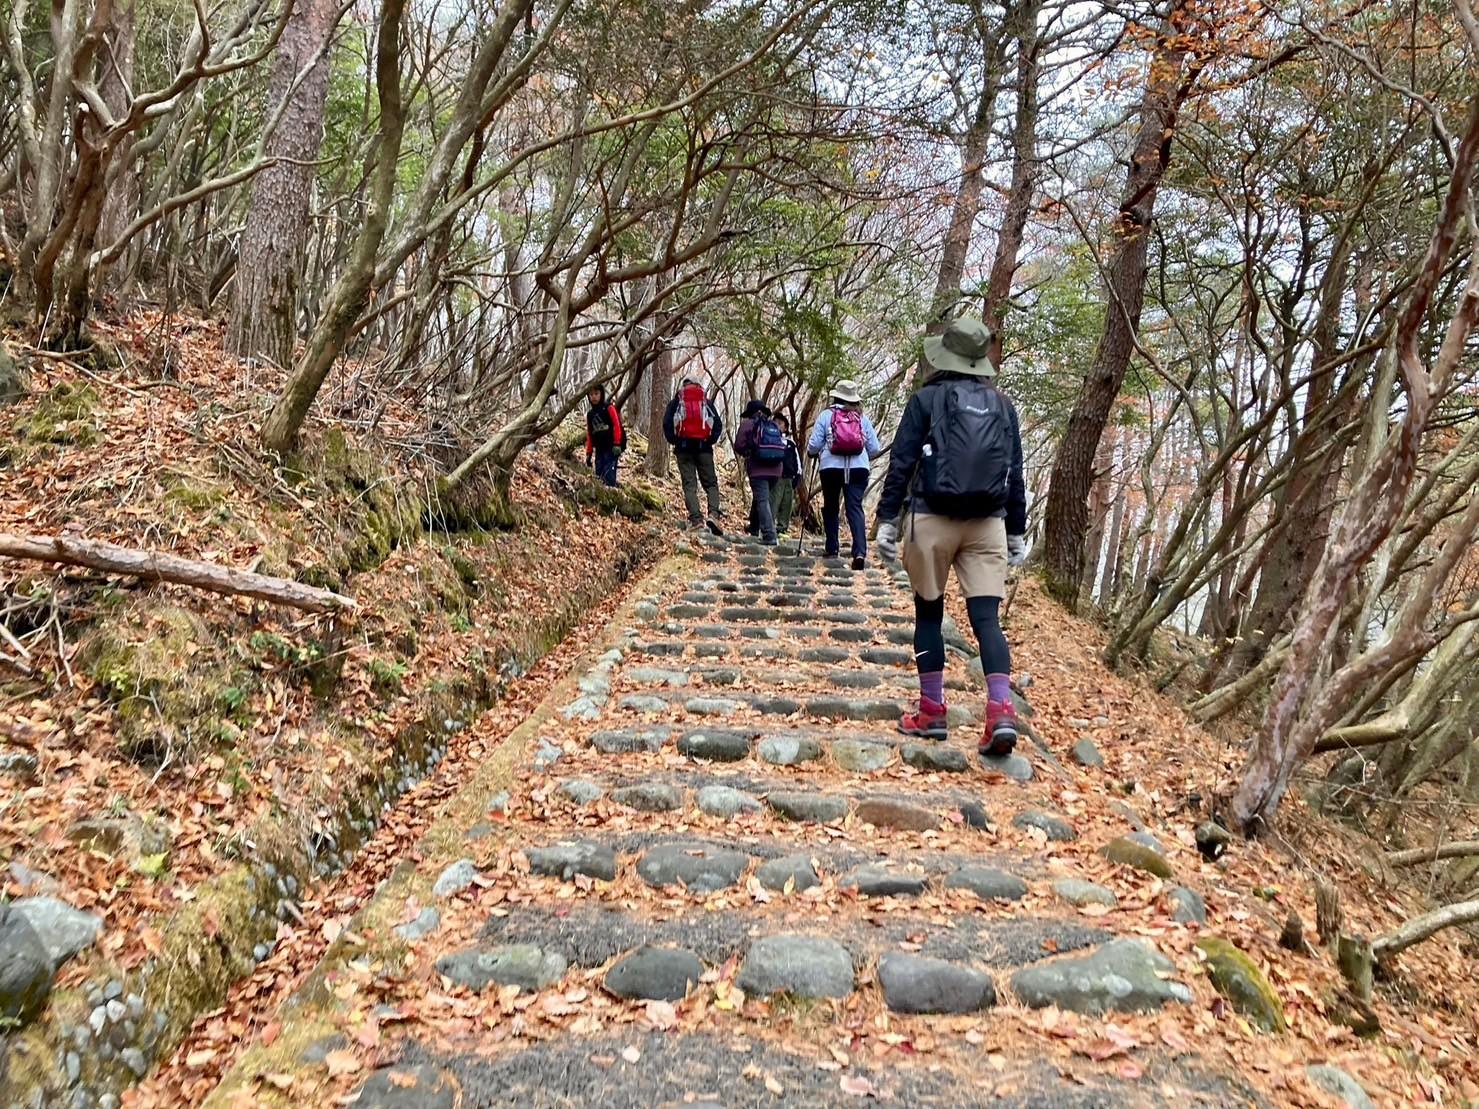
(848, 486)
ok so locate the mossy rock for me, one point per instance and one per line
(1237, 978)
(62, 416)
(1138, 856)
(163, 705)
(477, 503)
(12, 382)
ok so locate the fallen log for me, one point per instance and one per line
(159, 566)
(1425, 927)
(1459, 849)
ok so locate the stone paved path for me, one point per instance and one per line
(714, 874)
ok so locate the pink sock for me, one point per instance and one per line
(999, 687)
(932, 687)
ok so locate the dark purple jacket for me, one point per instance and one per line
(744, 442)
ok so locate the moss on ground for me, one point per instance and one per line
(62, 416)
(173, 686)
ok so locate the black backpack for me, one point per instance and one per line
(967, 458)
(603, 431)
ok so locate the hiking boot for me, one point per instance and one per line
(858, 562)
(927, 720)
(1001, 729)
(713, 526)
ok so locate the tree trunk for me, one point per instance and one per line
(1295, 720)
(352, 289)
(659, 385)
(1024, 177)
(1099, 496)
(967, 198)
(264, 303)
(116, 85)
(1066, 521)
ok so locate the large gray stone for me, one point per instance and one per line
(916, 984)
(628, 741)
(814, 808)
(649, 797)
(1054, 827)
(876, 880)
(805, 966)
(889, 812)
(698, 868)
(1125, 976)
(654, 675)
(1085, 753)
(516, 964)
(788, 750)
(643, 702)
(861, 756)
(566, 860)
(1014, 767)
(1137, 856)
(886, 656)
(714, 745)
(798, 870)
(726, 802)
(1078, 892)
(1337, 1083)
(841, 708)
(407, 1086)
(62, 929)
(655, 974)
(854, 679)
(427, 921)
(455, 878)
(581, 791)
(1187, 906)
(988, 883)
(712, 706)
(823, 654)
(25, 969)
(935, 756)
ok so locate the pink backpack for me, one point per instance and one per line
(847, 433)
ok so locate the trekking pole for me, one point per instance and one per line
(801, 526)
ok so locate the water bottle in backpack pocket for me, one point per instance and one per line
(845, 437)
(965, 469)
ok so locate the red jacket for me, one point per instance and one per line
(618, 436)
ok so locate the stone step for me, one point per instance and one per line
(706, 1070)
(862, 752)
(587, 935)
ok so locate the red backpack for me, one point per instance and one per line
(847, 433)
(694, 423)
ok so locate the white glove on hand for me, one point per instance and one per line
(1016, 550)
(887, 542)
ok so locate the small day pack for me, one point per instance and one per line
(770, 444)
(847, 433)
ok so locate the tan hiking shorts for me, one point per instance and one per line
(930, 545)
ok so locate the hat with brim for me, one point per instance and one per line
(847, 391)
(963, 348)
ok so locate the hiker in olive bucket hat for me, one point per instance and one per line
(842, 440)
(955, 479)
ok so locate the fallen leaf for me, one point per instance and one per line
(341, 1062)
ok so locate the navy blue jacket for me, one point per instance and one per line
(909, 443)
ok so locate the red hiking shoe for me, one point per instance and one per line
(1001, 729)
(927, 720)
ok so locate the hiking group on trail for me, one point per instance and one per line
(954, 497)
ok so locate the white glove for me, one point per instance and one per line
(887, 542)
(1016, 550)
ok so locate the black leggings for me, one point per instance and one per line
(929, 640)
